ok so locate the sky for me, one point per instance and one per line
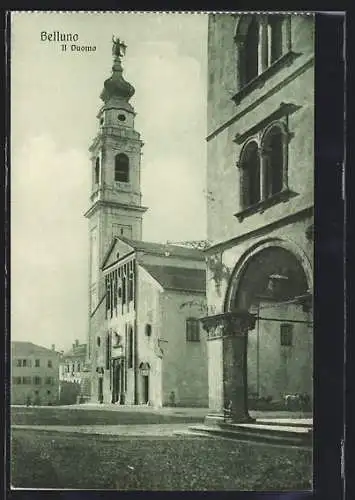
(54, 103)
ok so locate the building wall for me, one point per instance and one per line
(288, 220)
(278, 365)
(71, 368)
(149, 292)
(21, 392)
(184, 362)
(292, 84)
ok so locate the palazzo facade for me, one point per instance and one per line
(260, 178)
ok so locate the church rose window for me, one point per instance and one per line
(121, 168)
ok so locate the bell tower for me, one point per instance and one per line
(115, 199)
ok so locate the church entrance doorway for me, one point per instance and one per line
(117, 381)
(144, 369)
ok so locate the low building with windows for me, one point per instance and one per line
(34, 374)
(150, 348)
(260, 169)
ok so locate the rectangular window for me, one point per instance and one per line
(49, 381)
(192, 330)
(50, 363)
(37, 363)
(286, 335)
(16, 380)
(24, 363)
(26, 380)
(18, 362)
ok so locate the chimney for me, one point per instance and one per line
(77, 342)
(53, 347)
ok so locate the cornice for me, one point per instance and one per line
(287, 219)
(307, 64)
(113, 204)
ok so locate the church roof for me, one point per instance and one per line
(165, 249)
(178, 278)
(20, 348)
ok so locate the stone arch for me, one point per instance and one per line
(243, 26)
(240, 268)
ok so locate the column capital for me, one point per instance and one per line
(236, 323)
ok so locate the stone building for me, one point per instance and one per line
(144, 343)
(260, 169)
(34, 374)
(72, 363)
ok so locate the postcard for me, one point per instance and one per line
(162, 198)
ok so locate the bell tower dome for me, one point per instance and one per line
(115, 198)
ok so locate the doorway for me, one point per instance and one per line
(100, 390)
(146, 388)
(116, 381)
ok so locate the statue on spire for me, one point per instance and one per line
(118, 47)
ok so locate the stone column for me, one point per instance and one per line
(235, 371)
(234, 327)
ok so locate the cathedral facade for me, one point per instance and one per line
(260, 169)
(145, 344)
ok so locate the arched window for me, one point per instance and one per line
(273, 152)
(108, 350)
(275, 37)
(250, 174)
(260, 41)
(251, 44)
(97, 171)
(130, 348)
(121, 168)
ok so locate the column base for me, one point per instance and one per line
(221, 418)
(239, 418)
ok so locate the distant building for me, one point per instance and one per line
(34, 374)
(72, 363)
(260, 179)
(144, 342)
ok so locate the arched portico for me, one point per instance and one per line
(274, 274)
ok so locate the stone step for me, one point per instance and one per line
(257, 433)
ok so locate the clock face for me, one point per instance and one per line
(121, 118)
